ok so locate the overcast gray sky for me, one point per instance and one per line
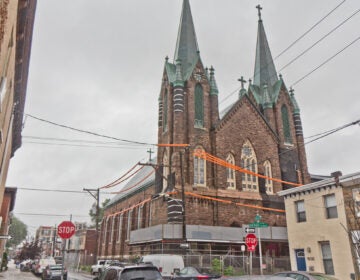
(97, 66)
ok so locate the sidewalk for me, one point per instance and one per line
(13, 273)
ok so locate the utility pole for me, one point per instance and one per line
(96, 196)
(54, 241)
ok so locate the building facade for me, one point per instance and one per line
(81, 248)
(215, 170)
(46, 238)
(16, 26)
(323, 226)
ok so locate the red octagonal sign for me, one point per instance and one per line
(66, 229)
(251, 242)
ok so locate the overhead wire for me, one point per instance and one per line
(88, 132)
(291, 45)
(309, 30)
(318, 41)
(326, 61)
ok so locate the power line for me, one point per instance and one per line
(47, 215)
(308, 31)
(297, 40)
(318, 41)
(326, 61)
(81, 145)
(53, 190)
(87, 132)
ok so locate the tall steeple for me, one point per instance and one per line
(265, 72)
(186, 50)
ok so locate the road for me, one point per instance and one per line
(14, 273)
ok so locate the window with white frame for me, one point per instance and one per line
(330, 206)
(327, 258)
(129, 224)
(139, 217)
(199, 171)
(300, 211)
(249, 162)
(112, 229)
(106, 229)
(3, 88)
(120, 225)
(268, 174)
(230, 173)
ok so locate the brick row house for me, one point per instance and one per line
(183, 200)
(16, 27)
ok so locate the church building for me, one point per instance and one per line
(217, 173)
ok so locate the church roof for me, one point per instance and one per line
(135, 184)
(264, 72)
(186, 46)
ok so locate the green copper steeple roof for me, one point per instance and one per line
(187, 50)
(265, 72)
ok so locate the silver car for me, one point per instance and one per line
(303, 275)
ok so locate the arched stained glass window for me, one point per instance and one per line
(199, 171)
(230, 173)
(165, 111)
(286, 124)
(268, 173)
(248, 161)
(199, 106)
(166, 172)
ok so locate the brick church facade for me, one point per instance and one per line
(214, 171)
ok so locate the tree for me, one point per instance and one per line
(92, 211)
(17, 231)
(30, 250)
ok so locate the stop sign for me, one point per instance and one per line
(66, 229)
(251, 242)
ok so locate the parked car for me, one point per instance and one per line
(25, 265)
(302, 275)
(53, 272)
(101, 264)
(109, 273)
(40, 265)
(255, 277)
(192, 273)
(140, 271)
(167, 264)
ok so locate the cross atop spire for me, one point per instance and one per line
(259, 11)
(242, 81)
(265, 72)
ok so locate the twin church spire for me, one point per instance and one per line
(187, 50)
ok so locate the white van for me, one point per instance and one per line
(166, 263)
(42, 263)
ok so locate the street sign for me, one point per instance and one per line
(258, 225)
(5, 237)
(66, 229)
(251, 242)
(249, 230)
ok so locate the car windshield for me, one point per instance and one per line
(141, 274)
(55, 267)
(322, 276)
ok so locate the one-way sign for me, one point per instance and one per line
(249, 230)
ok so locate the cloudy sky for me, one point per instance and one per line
(97, 66)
